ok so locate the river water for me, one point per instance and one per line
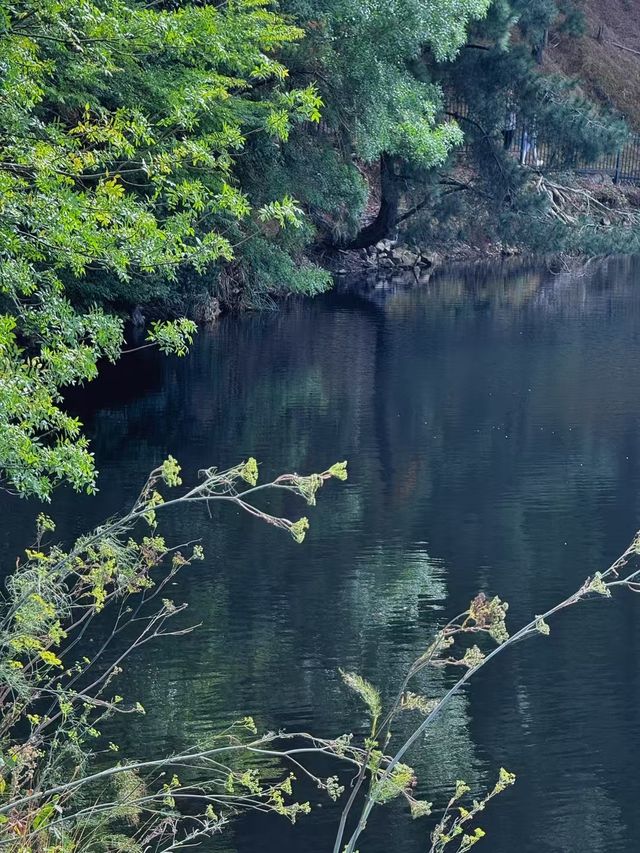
(490, 419)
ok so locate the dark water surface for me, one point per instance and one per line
(491, 423)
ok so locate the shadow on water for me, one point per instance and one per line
(490, 419)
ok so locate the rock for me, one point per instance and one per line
(385, 262)
(426, 259)
(405, 257)
(205, 309)
(385, 245)
(137, 317)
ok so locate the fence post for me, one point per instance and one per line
(616, 176)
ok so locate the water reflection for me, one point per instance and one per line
(490, 418)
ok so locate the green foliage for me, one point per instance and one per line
(416, 702)
(173, 337)
(173, 141)
(339, 470)
(268, 268)
(171, 472)
(364, 54)
(394, 785)
(312, 167)
(378, 96)
(367, 692)
(473, 657)
(489, 614)
(388, 777)
(454, 827)
(381, 69)
(498, 76)
(40, 444)
(61, 788)
(598, 586)
(543, 627)
(299, 529)
(249, 471)
(121, 122)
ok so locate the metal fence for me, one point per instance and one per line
(622, 165)
(532, 149)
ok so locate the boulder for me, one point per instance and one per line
(427, 259)
(404, 257)
(205, 309)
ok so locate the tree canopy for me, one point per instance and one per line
(149, 151)
(120, 124)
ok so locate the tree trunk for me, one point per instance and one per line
(387, 216)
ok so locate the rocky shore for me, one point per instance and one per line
(391, 257)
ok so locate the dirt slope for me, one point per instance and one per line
(607, 57)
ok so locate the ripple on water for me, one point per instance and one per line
(491, 424)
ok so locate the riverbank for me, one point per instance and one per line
(393, 257)
(569, 200)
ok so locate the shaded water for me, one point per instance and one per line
(490, 419)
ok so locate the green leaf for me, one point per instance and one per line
(366, 691)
